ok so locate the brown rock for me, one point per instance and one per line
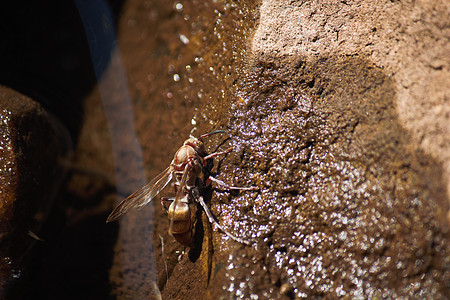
(32, 147)
(333, 107)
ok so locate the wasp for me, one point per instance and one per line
(190, 168)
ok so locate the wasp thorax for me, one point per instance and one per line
(181, 157)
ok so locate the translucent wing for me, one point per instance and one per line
(179, 194)
(142, 196)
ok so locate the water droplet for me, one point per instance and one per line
(184, 39)
(179, 7)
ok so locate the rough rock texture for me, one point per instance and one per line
(407, 40)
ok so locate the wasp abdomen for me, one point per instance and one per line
(181, 217)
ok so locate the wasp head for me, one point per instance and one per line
(197, 144)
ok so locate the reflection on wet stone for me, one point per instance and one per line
(348, 204)
(344, 207)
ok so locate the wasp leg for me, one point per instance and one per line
(164, 200)
(213, 221)
(212, 155)
(229, 187)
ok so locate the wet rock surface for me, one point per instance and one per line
(330, 109)
(348, 199)
(345, 205)
(32, 145)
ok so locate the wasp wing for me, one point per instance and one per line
(179, 195)
(142, 196)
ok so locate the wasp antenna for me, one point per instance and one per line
(211, 133)
(192, 131)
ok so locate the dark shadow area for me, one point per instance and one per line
(74, 263)
(199, 232)
(45, 55)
